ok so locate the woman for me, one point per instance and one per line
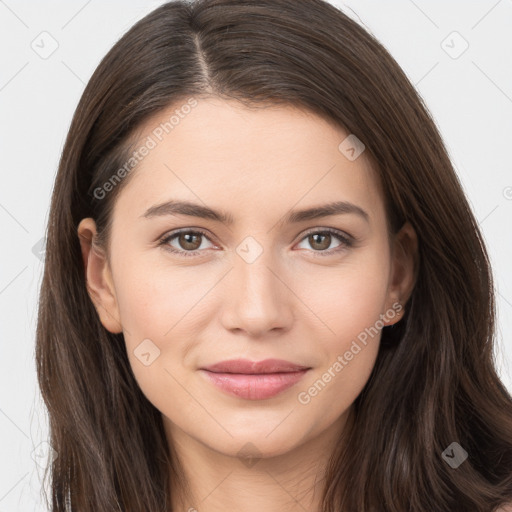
(264, 287)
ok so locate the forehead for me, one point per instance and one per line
(221, 153)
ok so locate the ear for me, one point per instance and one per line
(99, 282)
(403, 274)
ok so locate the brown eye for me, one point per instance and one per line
(320, 241)
(190, 241)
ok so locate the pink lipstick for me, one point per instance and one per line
(254, 380)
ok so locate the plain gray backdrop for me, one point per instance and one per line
(458, 54)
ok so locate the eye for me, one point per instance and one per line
(189, 240)
(322, 240)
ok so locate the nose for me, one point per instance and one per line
(256, 298)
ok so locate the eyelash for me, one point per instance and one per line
(346, 242)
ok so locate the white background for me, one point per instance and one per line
(470, 98)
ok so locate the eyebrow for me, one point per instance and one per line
(174, 207)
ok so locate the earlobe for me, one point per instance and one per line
(98, 277)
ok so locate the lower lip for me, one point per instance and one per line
(257, 386)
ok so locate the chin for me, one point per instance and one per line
(256, 442)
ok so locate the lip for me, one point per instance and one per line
(254, 367)
(254, 380)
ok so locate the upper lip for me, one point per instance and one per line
(255, 367)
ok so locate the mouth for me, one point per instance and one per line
(254, 380)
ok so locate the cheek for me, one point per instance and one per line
(334, 387)
(347, 304)
(161, 310)
(346, 299)
(153, 304)
(346, 356)
(153, 297)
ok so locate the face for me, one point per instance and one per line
(190, 290)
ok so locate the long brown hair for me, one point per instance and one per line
(434, 381)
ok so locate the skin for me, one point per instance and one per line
(288, 303)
